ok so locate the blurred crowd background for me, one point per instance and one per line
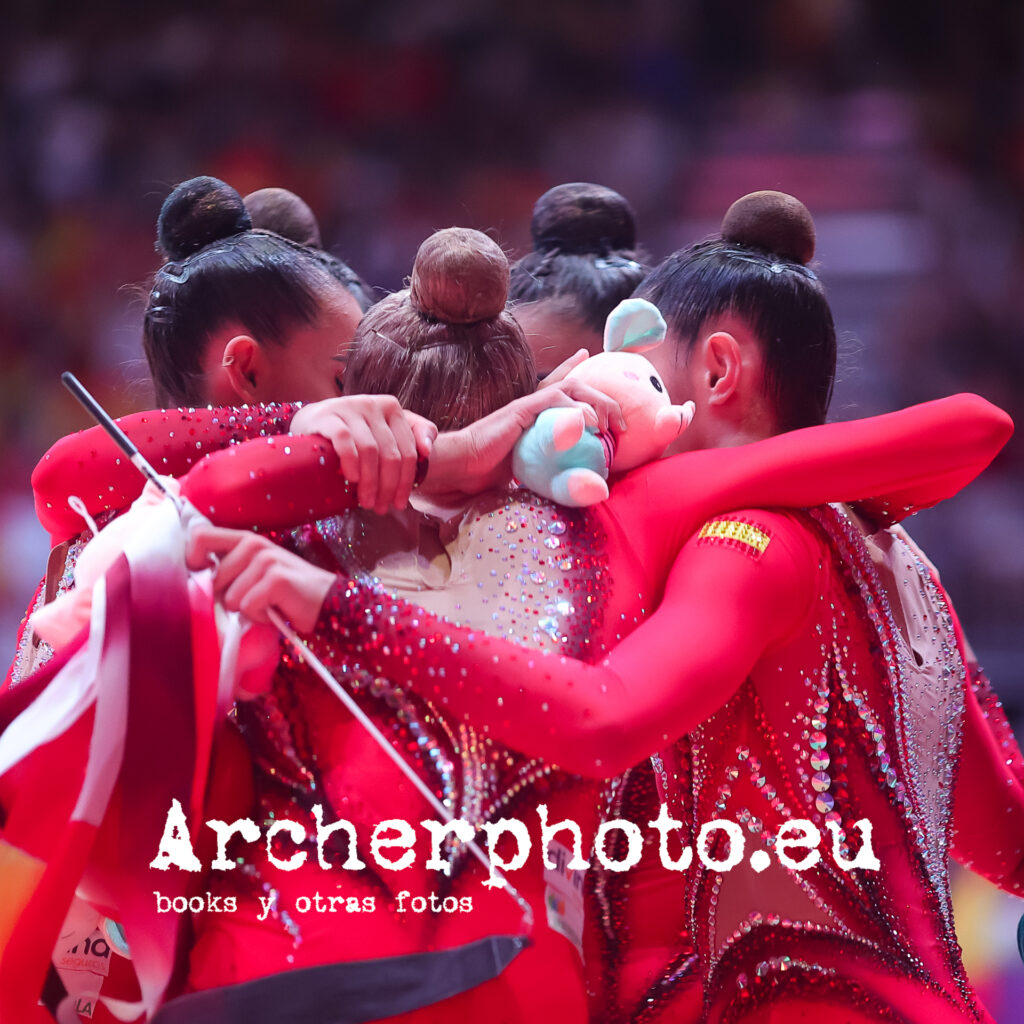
(901, 125)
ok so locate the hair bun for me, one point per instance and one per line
(199, 211)
(582, 218)
(284, 213)
(774, 221)
(460, 276)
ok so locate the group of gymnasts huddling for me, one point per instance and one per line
(738, 671)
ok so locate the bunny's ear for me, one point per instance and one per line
(634, 325)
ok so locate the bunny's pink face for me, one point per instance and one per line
(634, 383)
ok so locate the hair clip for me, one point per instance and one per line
(176, 272)
(759, 260)
(616, 262)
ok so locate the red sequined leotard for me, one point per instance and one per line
(88, 464)
(630, 542)
(777, 654)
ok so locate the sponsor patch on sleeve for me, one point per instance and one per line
(737, 533)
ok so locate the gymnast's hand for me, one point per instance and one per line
(254, 574)
(479, 456)
(377, 441)
(609, 413)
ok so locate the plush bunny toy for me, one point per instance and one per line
(561, 459)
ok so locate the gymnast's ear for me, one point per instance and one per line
(721, 366)
(237, 378)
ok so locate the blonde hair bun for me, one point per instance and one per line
(460, 276)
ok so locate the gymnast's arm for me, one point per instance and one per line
(723, 607)
(890, 465)
(981, 692)
(988, 801)
(88, 464)
(374, 443)
(277, 482)
(988, 792)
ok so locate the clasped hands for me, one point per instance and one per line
(379, 445)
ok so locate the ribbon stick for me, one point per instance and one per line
(117, 435)
(137, 459)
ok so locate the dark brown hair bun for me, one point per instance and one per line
(460, 277)
(284, 213)
(199, 211)
(773, 221)
(580, 217)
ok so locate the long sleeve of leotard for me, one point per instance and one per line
(988, 794)
(725, 604)
(982, 693)
(890, 465)
(88, 464)
(269, 483)
(901, 461)
(716, 626)
(988, 800)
